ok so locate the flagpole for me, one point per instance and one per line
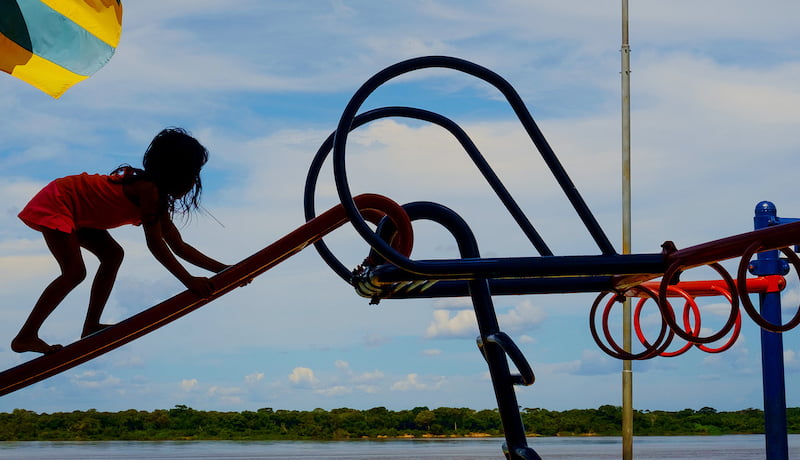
(627, 368)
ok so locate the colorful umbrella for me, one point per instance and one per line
(54, 44)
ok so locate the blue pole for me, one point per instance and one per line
(772, 371)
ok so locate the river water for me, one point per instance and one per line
(744, 447)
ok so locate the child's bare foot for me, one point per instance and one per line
(89, 330)
(21, 345)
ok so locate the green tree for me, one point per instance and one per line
(424, 419)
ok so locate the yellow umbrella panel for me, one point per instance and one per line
(54, 44)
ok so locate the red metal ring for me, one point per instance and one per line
(688, 305)
(643, 340)
(618, 352)
(737, 328)
(670, 318)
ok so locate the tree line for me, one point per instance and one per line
(182, 422)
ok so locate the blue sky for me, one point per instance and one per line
(715, 110)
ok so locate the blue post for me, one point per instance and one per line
(769, 263)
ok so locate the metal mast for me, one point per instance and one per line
(627, 369)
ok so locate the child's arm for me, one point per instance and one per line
(158, 247)
(186, 251)
(152, 221)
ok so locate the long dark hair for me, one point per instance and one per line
(172, 161)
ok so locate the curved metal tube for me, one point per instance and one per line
(651, 350)
(460, 135)
(669, 316)
(751, 310)
(496, 346)
(501, 339)
(349, 114)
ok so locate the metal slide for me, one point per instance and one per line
(373, 207)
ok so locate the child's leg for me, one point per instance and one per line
(67, 251)
(110, 253)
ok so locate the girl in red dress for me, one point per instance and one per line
(76, 212)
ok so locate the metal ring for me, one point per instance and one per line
(617, 351)
(737, 328)
(689, 303)
(751, 310)
(670, 318)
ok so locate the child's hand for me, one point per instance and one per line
(200, 285)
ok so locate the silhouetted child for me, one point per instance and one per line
(76, 212)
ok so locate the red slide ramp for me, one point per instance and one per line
(373, 207)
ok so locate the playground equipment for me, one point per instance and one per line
(374, 207)
(389, 272)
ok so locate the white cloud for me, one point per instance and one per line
(188, 384)
(368, 376)
(735, 361)
(524, 338)
(23, 270)
(412, 382)
(790, 299)
(217, 391)
(369, 389)
(130, 361)
(337, 390)
(719, 309)
(463, 323)
(522, 317)
(353, 377)
(791, 361)
(592, 362)
(227, 395)
(460, 324)
(302, 376)
(347, 383)
(254, 377)
(95, 380)
(452, 303)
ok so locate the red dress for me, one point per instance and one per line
(81, 201)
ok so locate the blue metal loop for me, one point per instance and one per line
(346, 123)
(501, 339)
(463, 139)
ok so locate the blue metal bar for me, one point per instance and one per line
(525, 376)
(529, 267)
(772, 369)
(460, 288)
(494, 344)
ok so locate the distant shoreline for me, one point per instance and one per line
(378, 423)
